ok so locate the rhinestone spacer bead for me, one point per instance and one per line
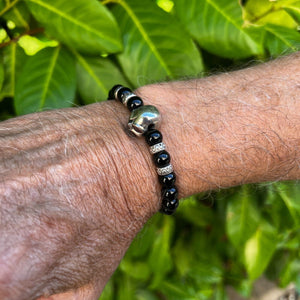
(157, 147)
(165, 170)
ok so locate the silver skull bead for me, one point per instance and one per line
(142, 117)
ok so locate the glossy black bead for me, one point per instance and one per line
(111, 93)
(134, 102)
(169, 194)
(167, 180)
(161, 158)
(153, 136)
(169, 207)
(122, 93)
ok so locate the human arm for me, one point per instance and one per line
(76, 188)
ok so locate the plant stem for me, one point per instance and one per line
(8, 7)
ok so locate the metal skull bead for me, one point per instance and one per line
(142, 117)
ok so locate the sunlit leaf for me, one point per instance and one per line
(47, 81)
(86, 26)
(156, 46)
(259, 250)
(217, 25)
(294, 11)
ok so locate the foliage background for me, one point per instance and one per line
(63, 53)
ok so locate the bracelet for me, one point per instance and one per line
(142, 122)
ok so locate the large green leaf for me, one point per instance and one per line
(281, 40)
(217, 25)
(47, 81)
(259, 250)
(242, 216)
(18, 14)
(155, 45)
(293, 11)
(95, 77)
(84, 25)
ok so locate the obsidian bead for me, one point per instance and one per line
(161, 158)
(134, 102)
(169, 207)
(153, 136)
(122, 93)
(111, 93)
(167, 180)
(169, 194)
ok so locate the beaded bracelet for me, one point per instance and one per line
(142, 121)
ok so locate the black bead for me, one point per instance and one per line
(153, 136)
(161, 158)
(122, 93)
(134, 102)
(111, 93)
(169, 194)
(169, 207)
(167, 180)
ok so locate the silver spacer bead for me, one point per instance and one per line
(116, 92)
(157, 147)
(165, 170)
(127, 97)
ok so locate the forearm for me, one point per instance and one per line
(233, 128)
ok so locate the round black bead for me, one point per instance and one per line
(111, 93)
(169, 207)
(134, 102)
(167, 180)
(169, 194)
(153, 136)
(161, 158)
(122, 93)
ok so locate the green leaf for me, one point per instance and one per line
(217, 25)
(1, 75)
(13, 58)
(18, 14)
(95, 77)
(259, 250)
(290, 272)
(86, 26)
(160, 260)
(242, 216)
(137, 270)
(290, 194)
(281, 40)
(294, 11)
(126, 288)
(47, 81)
(155, 45)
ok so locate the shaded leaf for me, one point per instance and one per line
(13, 58)
(242, 216)
(47, 81)
(259, 250)
(155, 45)
(160, 260)
(294, 11)
(18, 14)
(96, 76)
(290, 194)
(86, 26)
(217, 25)
(1, 75)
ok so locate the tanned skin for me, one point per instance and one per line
(75, 187)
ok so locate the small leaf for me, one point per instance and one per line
(86, 26)
(156, 46)
(217, 25)
(47, 81)
(259, 250)
(95, 77)
(242, 217)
